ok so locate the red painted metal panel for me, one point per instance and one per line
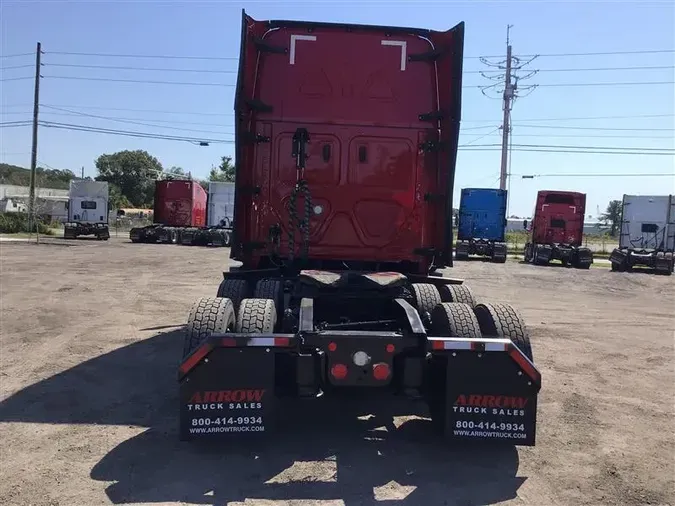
(180, 203)
(359, 92)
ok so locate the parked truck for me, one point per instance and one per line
(88, 208)
(482, 221)
(343, 210)
(647, 235)
(185, 214)
(556, 230)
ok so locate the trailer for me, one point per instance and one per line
(556, 230)
(647, 236)
(343, 211)
(88, 209)
(482, 221)
(180, 216)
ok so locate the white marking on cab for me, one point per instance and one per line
(298, 37)
(398, 43)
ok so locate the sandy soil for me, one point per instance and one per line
(91, 336)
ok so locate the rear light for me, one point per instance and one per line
(381, 371)
(332, 347)
(339, 371)
(390, 348)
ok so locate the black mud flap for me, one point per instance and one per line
(226, 393)
(491, 396)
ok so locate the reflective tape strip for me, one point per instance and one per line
(458, 343)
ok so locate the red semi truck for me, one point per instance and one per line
(557, 229)
(343, 213)
(180, 208)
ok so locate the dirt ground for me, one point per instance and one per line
(91, 337)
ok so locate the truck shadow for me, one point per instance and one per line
(328, 450)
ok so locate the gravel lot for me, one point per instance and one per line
(91, 336)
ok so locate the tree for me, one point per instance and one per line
(134, 172)
(224, 172)
(117, 200)
(176, 171)
(612, 215)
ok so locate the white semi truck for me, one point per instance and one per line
(88, 209)
(647, 237)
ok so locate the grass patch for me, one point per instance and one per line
(17, 223)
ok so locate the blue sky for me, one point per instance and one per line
(212, 29)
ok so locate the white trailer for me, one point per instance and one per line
(88, 208)
(220, 212)
(647, 236)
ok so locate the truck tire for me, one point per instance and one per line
(426, 296)
(504, 321)
(256, 315)
(228, 239)
(267, 289)
(207, 316)
(454, 319)
(234, 289)
(457, 293)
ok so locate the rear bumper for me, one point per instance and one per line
(478, 388)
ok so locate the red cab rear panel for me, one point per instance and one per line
(559, 218)
(381, 107)
(180, 204)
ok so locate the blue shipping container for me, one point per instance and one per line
(482, 214)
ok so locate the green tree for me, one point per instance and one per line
(117, 200)
(176, 171)
(224, 172)
(613, 215)
(133, 172)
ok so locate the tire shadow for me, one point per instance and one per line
(350, 449)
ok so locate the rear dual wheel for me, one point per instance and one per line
(217, 315)
(428, 296)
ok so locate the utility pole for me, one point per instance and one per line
(33, 154)
(506, 124)
(82, 173)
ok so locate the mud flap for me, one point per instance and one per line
(228, 393)
(491, 396)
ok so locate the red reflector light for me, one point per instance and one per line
(339, 371)
(390, 348)
(332, 347)
(228, 341)
(438, 345)
(381, 371)
(281, 341)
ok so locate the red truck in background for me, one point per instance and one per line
(556, 230)
(180, 212)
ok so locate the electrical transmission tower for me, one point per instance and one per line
(506, 73)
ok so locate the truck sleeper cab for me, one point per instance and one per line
(556, 231)
(482, 222)
(343, 207)
(647, 236)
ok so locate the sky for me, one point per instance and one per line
(551, 114)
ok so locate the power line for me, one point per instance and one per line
(14, 67)
(172, 57)
(109, 67)
(583, 118)
(80, 78)
(605, 53)
(132, 122)
(617, 174)
(582, 152)
(623, 129)
(16, 55)
(15, 78)
(130, 133)
(636, 83)
(195, 57)
(590, 69)
(12, 124)
(557, 146)
(95, 107)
